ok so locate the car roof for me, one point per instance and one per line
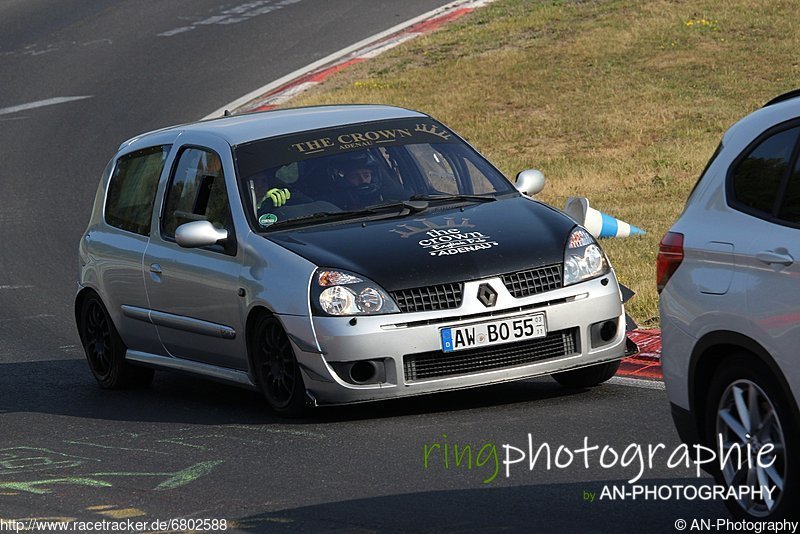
(781, 109)
(239, 129)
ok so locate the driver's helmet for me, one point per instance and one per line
(357, 172)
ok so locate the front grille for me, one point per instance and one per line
(449, 296)
(533, 281)
(430, 298)
(438, 364)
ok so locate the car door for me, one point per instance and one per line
(765, 184)
(775, 298)
(118, 246)
(193, 292)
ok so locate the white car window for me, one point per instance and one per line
(758, 177)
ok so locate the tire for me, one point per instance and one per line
(587, 377)
(747, 381)
(276, 370)
(105, 350)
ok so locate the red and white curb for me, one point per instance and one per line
(279, 91)
(645, 364)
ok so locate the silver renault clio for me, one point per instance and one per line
(338, 254)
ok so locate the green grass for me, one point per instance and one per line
(622, 102)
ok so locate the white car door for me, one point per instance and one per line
(765, 187)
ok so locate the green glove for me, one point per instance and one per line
(277, 196)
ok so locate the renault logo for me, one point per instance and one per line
(487, 295)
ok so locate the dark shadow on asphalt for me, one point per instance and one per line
(65, 387)
(541, 509)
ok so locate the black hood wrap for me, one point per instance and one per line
(439, 245)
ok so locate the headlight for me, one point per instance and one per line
(583, 258)
(340, 293)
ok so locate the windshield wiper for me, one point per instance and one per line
(453, 198)
(413, 205)
(405, 207)
(326, 215)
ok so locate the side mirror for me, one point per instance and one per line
(530, 182)
(199, 234)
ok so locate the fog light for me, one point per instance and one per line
(604, 332)
(608, 331)
(362, 372)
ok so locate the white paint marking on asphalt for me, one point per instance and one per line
(29, 317)
(234, 15)
(340, 54)
(176, 31)
(39, 49)
(15, 287)
(42, 103)
(636, 383)
(33, 51)
(98, 41)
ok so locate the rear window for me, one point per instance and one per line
(129, 202)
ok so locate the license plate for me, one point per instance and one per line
(493, 333)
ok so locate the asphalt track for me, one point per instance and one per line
(191, 448)
(139, 75)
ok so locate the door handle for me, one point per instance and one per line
(155, 268)
(774, 256)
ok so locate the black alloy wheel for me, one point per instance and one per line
(276, 367)
(99, 350)
(105, 350)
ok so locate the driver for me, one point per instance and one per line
(358, 181)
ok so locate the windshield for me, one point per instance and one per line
(353, 169)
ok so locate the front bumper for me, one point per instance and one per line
(401, 340)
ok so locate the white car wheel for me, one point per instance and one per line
(745, 409)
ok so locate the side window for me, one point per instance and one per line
(196, 192)
(790, 210)
(132, 190)
(757, 179)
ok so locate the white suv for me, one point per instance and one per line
(729, 284)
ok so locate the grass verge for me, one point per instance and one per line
(622, 102)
